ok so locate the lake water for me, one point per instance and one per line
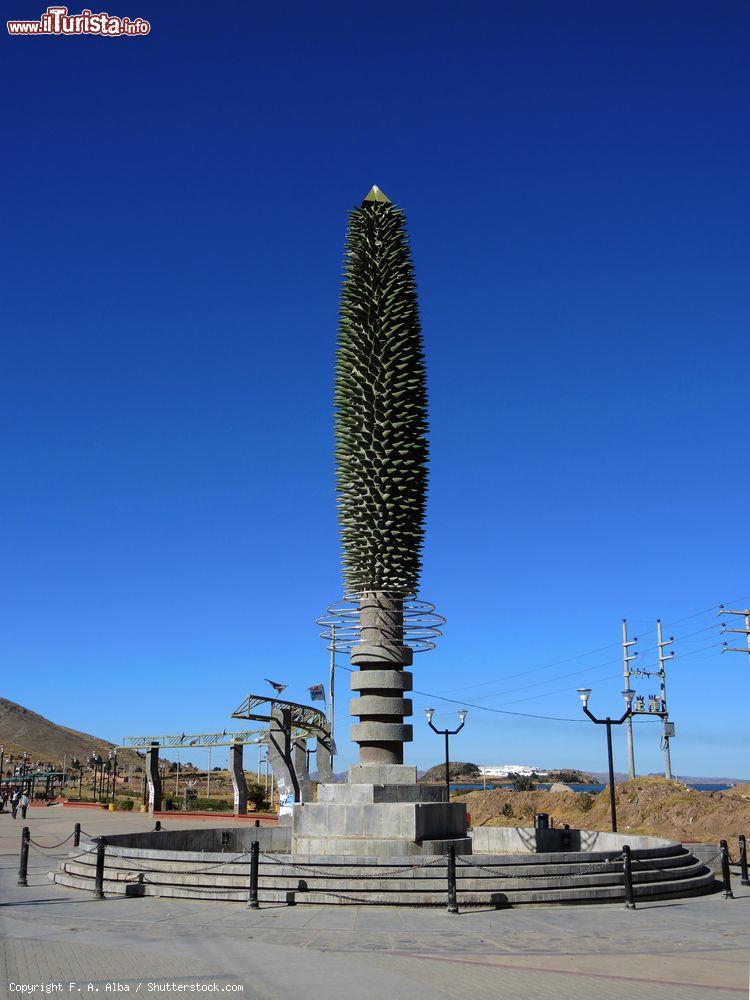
(543, 786)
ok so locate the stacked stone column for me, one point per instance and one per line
(381, 681)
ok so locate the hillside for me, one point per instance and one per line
(22, 730)
(459, 771)
(647, 805)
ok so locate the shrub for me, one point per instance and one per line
(256, 795)
(212, 805)
(585, 801)
(507, 810)
(126, 805)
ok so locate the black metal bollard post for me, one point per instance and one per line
(744, 880)
(23, 867)
(725, 873)
(101, 846)
(627, 875)
(257, 822)
(252, 897)
(157, 826)
(77, 835)
(451, 859)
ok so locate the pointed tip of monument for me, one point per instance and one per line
(375, 194)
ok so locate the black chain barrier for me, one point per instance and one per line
(53, 847)
(594, 870)
(450, 862)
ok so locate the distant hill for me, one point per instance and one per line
(462, 771)
(687, 779)
(22, 730)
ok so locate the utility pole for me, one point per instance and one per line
(626, 659)
(742, 631)
(331, 686)
(668, 728)
(208, 776)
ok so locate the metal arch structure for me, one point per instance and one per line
(305, 719)
(196, 740)
(290, 726)
(236, 741)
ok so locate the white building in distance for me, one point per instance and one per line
(503, 770)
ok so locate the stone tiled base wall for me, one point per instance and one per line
(506, 839)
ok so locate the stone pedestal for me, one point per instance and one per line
(382, 812)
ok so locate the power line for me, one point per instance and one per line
(551, 680)
(481, 708)
(533, 670)
(575, 673)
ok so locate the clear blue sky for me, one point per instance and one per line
(575, 179)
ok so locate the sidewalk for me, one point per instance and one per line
(688, 950)
(51, 824)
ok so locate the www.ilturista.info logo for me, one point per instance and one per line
(57, 21)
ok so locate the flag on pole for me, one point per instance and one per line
(317, 693)
(278, 688)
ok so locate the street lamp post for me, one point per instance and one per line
(111, 773)
(100, 765)
(628, 695)
(429, 712)
(78, 766)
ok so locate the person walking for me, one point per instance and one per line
(14, 802)
(24, 804)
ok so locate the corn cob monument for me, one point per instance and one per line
(381, 458)
(381, 462)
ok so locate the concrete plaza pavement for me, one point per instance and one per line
(691, 949)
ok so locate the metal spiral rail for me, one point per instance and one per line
(422, 625)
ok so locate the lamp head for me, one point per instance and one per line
(628, 694)
(462, 713)
(429, 712)
(583, 694)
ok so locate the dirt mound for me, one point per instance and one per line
(647, 805)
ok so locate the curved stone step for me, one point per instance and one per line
(660, 873)
(528, 864)
(698, 885)
(468, 876)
